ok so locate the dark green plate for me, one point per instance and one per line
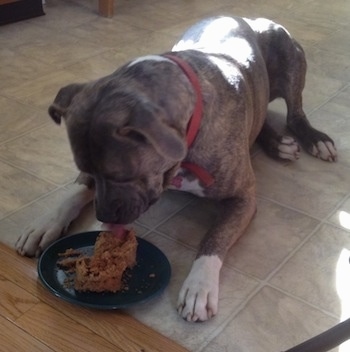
(146, 280)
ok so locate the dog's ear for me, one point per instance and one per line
(62, 101)
(151, 122)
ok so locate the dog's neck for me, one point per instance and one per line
(194, 121)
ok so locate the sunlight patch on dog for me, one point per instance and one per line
(229, 71)
(210, 38)
(240, 50)
(263, 24)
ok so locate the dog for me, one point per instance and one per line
(184, 120)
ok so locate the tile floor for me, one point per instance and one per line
(286, 279)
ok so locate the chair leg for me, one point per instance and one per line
(106, 7)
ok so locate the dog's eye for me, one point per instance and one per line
(136, 136)
(132, 134)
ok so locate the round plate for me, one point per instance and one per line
(147, 279)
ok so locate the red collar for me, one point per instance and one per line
(195, 121)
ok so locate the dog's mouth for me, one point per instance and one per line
(116, 229)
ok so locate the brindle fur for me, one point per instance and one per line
(127, 130)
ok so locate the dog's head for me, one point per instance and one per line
(128, 144)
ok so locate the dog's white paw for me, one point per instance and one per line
(288, 149)
(40, 234)
(324, 150)
(50, 226)
(199, 295)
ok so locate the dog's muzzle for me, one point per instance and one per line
(122, 205)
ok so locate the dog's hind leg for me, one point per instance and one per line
(314, 141)
(277, 146)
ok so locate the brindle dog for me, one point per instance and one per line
(128, 135)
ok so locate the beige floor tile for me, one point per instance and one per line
(17, 188)
(190, 224)
(274, 233)
(17, 118)
(318, 269)
(271, 321)
(318, 89)
(41, 91)
(161, 313)
(256, 9)
(169, 203)
(335, 13)
(44, 152)
(60, 50)
(109, 61)
(305, 33)
(111, 33)
(62, 15)
(310, 185)
(193, 10)
(151, 17)
(16, 68)
(120, 6)
(19, 33)
(325, 62)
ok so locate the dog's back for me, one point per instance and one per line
(231, 36)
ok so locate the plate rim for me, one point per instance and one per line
(99, 306)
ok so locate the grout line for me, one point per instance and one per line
(290, 295)
(46, 194)
(283, 205)
(265, 282)
(216, 332)
(23, 134)
(339, 91)
(50, 182)
(161, 222)
(12, 212)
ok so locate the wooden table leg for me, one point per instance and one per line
(106, 7)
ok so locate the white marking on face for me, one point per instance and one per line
(150, 58)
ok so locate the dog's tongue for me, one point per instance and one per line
(117, 230)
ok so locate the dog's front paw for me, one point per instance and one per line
(199, 295)
(324, 150)
(288, 149)
(39, 235)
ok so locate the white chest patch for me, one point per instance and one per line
(187, 183)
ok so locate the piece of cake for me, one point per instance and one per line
(103, 271)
